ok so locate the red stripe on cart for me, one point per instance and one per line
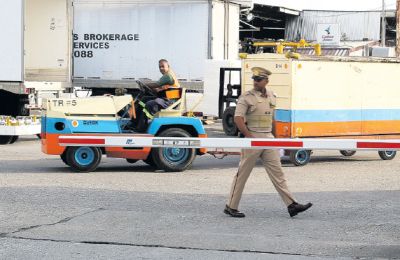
(277, 144)
(378, 145)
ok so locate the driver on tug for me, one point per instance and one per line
(167, 89)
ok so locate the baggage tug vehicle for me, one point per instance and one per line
(120, 116)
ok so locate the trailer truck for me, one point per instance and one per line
(35, 61)
(118, 42)
(323, 96)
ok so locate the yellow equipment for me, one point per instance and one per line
(281, 45)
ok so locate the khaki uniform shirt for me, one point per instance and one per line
(257, 111)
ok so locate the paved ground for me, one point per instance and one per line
(129, 211)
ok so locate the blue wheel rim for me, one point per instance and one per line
(389, 153)
(175, 155)
(302, 156)
(84, 156)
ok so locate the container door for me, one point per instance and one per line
(11, 40)
(218, 31)
(48, 40)
(225, 31)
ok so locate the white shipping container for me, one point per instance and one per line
(11, 41)
(48, 40)
(35, 40)
(35, 58)
(125, 39)
(225, 31)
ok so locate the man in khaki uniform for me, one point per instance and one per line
(254, 117)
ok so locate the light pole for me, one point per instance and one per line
(398, 29)
(383, 25)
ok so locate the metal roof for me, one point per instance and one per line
(275, 3)
(244, 3)
(354, 26)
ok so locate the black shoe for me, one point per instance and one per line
(233, 212)
(296, 208)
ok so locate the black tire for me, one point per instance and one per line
(150, 161)
(131, 160)
(387, 155)
(300, 157)
(173, 159)
(228, 122)
(64, 158)
(5, 139)
(14, 139)
(347, 153)
(77, 158)
(22, 110)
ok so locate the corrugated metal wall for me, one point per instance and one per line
(354, 26)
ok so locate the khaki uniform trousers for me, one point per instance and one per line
(272, 164)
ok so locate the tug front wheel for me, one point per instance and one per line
(83, 158)
(387, 155)
(173, 159)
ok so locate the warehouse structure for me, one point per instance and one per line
(359, 30)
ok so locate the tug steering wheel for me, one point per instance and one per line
(145, 89)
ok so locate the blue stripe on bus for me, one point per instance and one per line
(302, 116)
